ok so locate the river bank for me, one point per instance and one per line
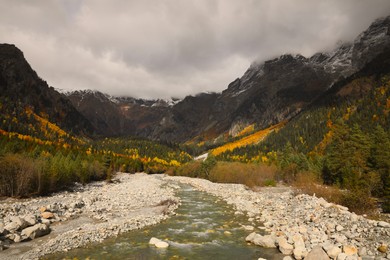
(90, 214)
(303, 226)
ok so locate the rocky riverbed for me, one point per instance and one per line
(299, 226)
(35, 227)
(302, 226)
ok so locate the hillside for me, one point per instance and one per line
(21, 87)
(343, 138)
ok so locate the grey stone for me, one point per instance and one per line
(12, 227)
(266, 241)
(383, 224)
(31, 220)
(17, 238)
(1, 228)
(35, 231)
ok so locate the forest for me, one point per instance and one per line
(343, 142)
(37, 157)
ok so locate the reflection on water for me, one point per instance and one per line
(204, 228)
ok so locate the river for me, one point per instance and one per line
(205, 227)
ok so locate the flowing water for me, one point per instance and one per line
(205, 227)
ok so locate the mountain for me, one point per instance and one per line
(268, 93)
(116, 116)
(21, 88)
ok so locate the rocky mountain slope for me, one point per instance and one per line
(268, 93)
(21, 87)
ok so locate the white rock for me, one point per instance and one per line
(248, 228)
(339, 228)
(154, 241)
(250, 237)
(161, 244)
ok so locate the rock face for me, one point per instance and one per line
(269, 92)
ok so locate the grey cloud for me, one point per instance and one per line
(172, 48)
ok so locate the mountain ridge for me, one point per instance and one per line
(266, 94)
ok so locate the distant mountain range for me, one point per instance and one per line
(267, 94)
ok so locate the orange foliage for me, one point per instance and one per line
(247, 130)
(250, 139)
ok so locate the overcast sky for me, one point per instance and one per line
(172, 48)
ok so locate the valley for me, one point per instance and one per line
(290, 161)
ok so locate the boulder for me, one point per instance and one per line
(266, 241)
(47, 215)
(31, 220)
(317, 253)
(12, 227)
(250, 237)
(342, 256)
(158, 243)
(35, 231)
(17, 238)
(299, 253)
(1, 228)
(383, 224)
(332, 250)
(161, 244)
(284, 247)
(350, 250)
(20, 222)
